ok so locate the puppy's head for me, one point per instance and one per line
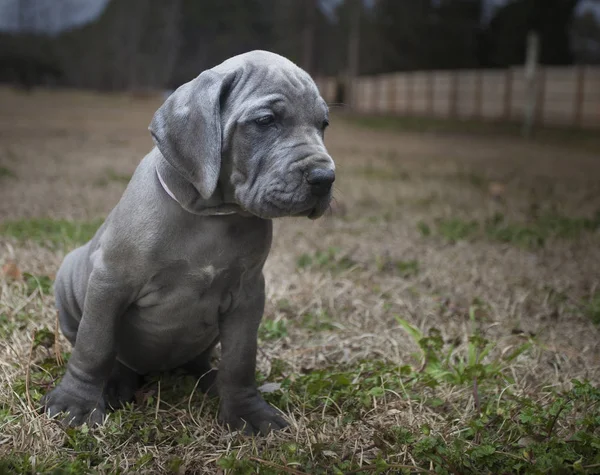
(255, 125)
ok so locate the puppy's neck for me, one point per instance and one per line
(185, 194)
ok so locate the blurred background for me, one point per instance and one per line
(153, 44)
(451, 237)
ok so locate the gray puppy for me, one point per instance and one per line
(177, 265)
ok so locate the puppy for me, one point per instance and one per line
(177, 265)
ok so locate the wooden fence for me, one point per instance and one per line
(567, 96)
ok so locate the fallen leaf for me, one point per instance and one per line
(497, 190)
(12, 271)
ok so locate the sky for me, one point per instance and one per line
(48, 16)
(489, 6)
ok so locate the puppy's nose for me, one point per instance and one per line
(320, 180)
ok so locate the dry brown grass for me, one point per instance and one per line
(68, 153)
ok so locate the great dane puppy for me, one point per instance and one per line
(177, 265)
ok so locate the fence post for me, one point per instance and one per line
(409, 93)
(542, 96)
(381, 96)
(453, 102)
(579, 96)
(478, 95)
(392, 83)
(533, 48)
(508, 87)
(430, 91)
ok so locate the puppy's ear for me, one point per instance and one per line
(187, 130)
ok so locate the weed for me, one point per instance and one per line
(49, 232)
(7, 173)
(592, 308)
(455, 229)
(536, 233)
(273, 329)
(43, 283)
(424, 229)
(318, 321)
(9, 324)
(533, 234)
(405, 269)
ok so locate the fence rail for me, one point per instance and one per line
(567, 96)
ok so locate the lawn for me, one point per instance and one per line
(443, 317)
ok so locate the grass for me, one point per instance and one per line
(530, 234)
(592, 308)
(50, 232)
(331, 259)
(423, 326)
(497, 428)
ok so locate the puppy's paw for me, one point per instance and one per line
(74, 410)
(252, 415)
(121, 386)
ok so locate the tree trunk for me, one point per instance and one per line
(308, 36)
(353, 49)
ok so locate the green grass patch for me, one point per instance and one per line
(484, 422)
(330, 259)
(42, 283)
(7, 173)
(9, 324)
(532, 234)
(506, 432)
(424, 228)
(318, 321)
(455, 229)
(592, 308)
(535, 233)
(51, 233)
(272, 329)
(403, 268)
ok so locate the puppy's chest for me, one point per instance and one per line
(205, 268)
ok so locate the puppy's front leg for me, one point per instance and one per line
(79, 395)
(242, 407)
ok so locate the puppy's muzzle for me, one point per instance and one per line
(320, 181)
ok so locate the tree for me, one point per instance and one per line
(586, 38)
(504, 41)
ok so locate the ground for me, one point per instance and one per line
(443, 317)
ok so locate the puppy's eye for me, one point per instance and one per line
(265, 120)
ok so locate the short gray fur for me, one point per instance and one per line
(163, 280)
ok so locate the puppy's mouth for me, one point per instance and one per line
(319, 210)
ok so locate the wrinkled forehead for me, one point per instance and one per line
(274, 84)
